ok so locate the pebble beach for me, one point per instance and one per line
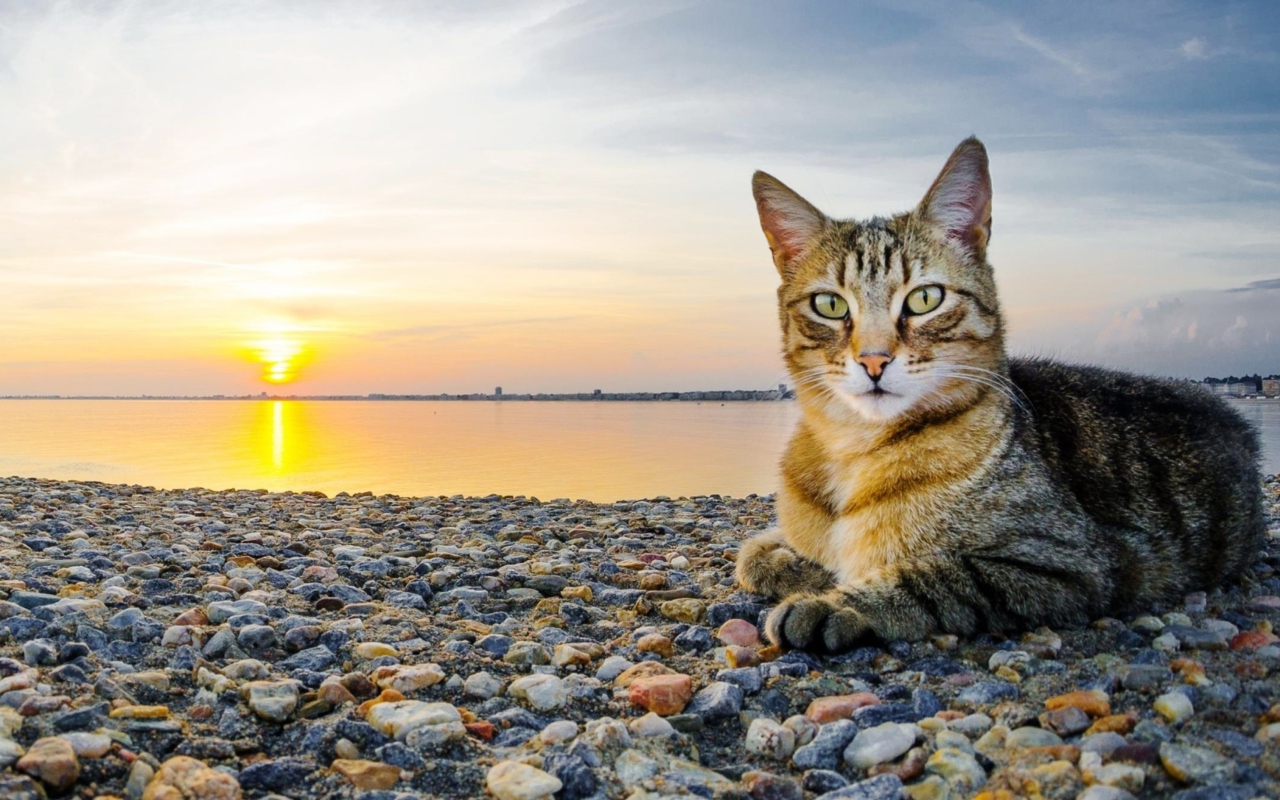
(215, 645)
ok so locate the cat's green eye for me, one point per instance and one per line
(830, 305)
(924, 299)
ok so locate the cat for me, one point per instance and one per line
(933, 484)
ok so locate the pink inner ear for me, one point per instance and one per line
(960, 201)
(788, 224)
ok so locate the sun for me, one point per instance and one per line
(279, 356)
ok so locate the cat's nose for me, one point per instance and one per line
(874, 363)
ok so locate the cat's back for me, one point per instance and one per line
(1162, 463)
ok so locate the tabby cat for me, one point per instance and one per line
(934, 484)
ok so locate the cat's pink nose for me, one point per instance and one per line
(874, 363)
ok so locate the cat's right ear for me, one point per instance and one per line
(789, 221)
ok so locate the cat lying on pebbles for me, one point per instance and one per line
(936, 485)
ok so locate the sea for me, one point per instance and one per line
(599, 451)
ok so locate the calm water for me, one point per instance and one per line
(596, 451)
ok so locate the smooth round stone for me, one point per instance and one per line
(739, 632)
(399, 719)
(257, 637)
(1175, 707)
(527, 654)
(612, 667)
(176, 636)
(511, 780)
(803, 727)
(1147, 624)
(10, 752)
(650, 725)
(767, 738)
(1102, 743)
(1196, 764)
(959, 769)
(273, 701)
(407, 680)
(946, 738)
(879, 744)
(53, 762)
(372, 650)
(559, 731)
(246, 669)
(632, 766)
(542, 692)
(971, 725)
(1031, 737)
(88, 745)
(482, 685)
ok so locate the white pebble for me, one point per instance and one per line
(559, 731)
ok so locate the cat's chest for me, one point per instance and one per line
(876, 526)
(864, 542)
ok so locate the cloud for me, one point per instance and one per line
(1191, 334)
(1195, 49)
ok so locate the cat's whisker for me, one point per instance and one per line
(982, 380)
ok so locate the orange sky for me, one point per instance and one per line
(547, 196)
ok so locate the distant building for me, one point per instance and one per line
(1271, 387)
(596, 393)
(497, 391)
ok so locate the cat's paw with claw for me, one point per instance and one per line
(818, 624)
(767, 566)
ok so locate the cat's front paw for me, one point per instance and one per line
(817, 623)
(767, 566)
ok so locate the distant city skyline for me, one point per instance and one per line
(339, 197)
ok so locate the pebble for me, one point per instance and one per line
(767, 786)
(769, 739)
(716, 701)
(189, 779)
(482, 685)
(512, 780)
(879, 744)
(1024, 737)
(960, 770)
(662, 694)
(650, 725)
(829, 709)
(273, 701)
(738, 632)
(374, 615)
(1190, 764)
(559, 731)
(541, 692)
(827, 747)
(881, 787)
(1175, 707)
(367, 775)
(53, 762)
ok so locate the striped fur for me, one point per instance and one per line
(959, 490)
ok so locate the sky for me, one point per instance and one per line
(351, 197)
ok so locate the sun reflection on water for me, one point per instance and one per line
(277, 434)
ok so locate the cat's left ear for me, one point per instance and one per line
(790, 223)
(958, 205)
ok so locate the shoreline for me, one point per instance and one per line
(243, 630)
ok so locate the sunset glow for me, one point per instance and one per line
(550, 196)
(279, 358)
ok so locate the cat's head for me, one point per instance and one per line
(894, 317)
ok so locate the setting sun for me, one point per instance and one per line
(279, 357)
